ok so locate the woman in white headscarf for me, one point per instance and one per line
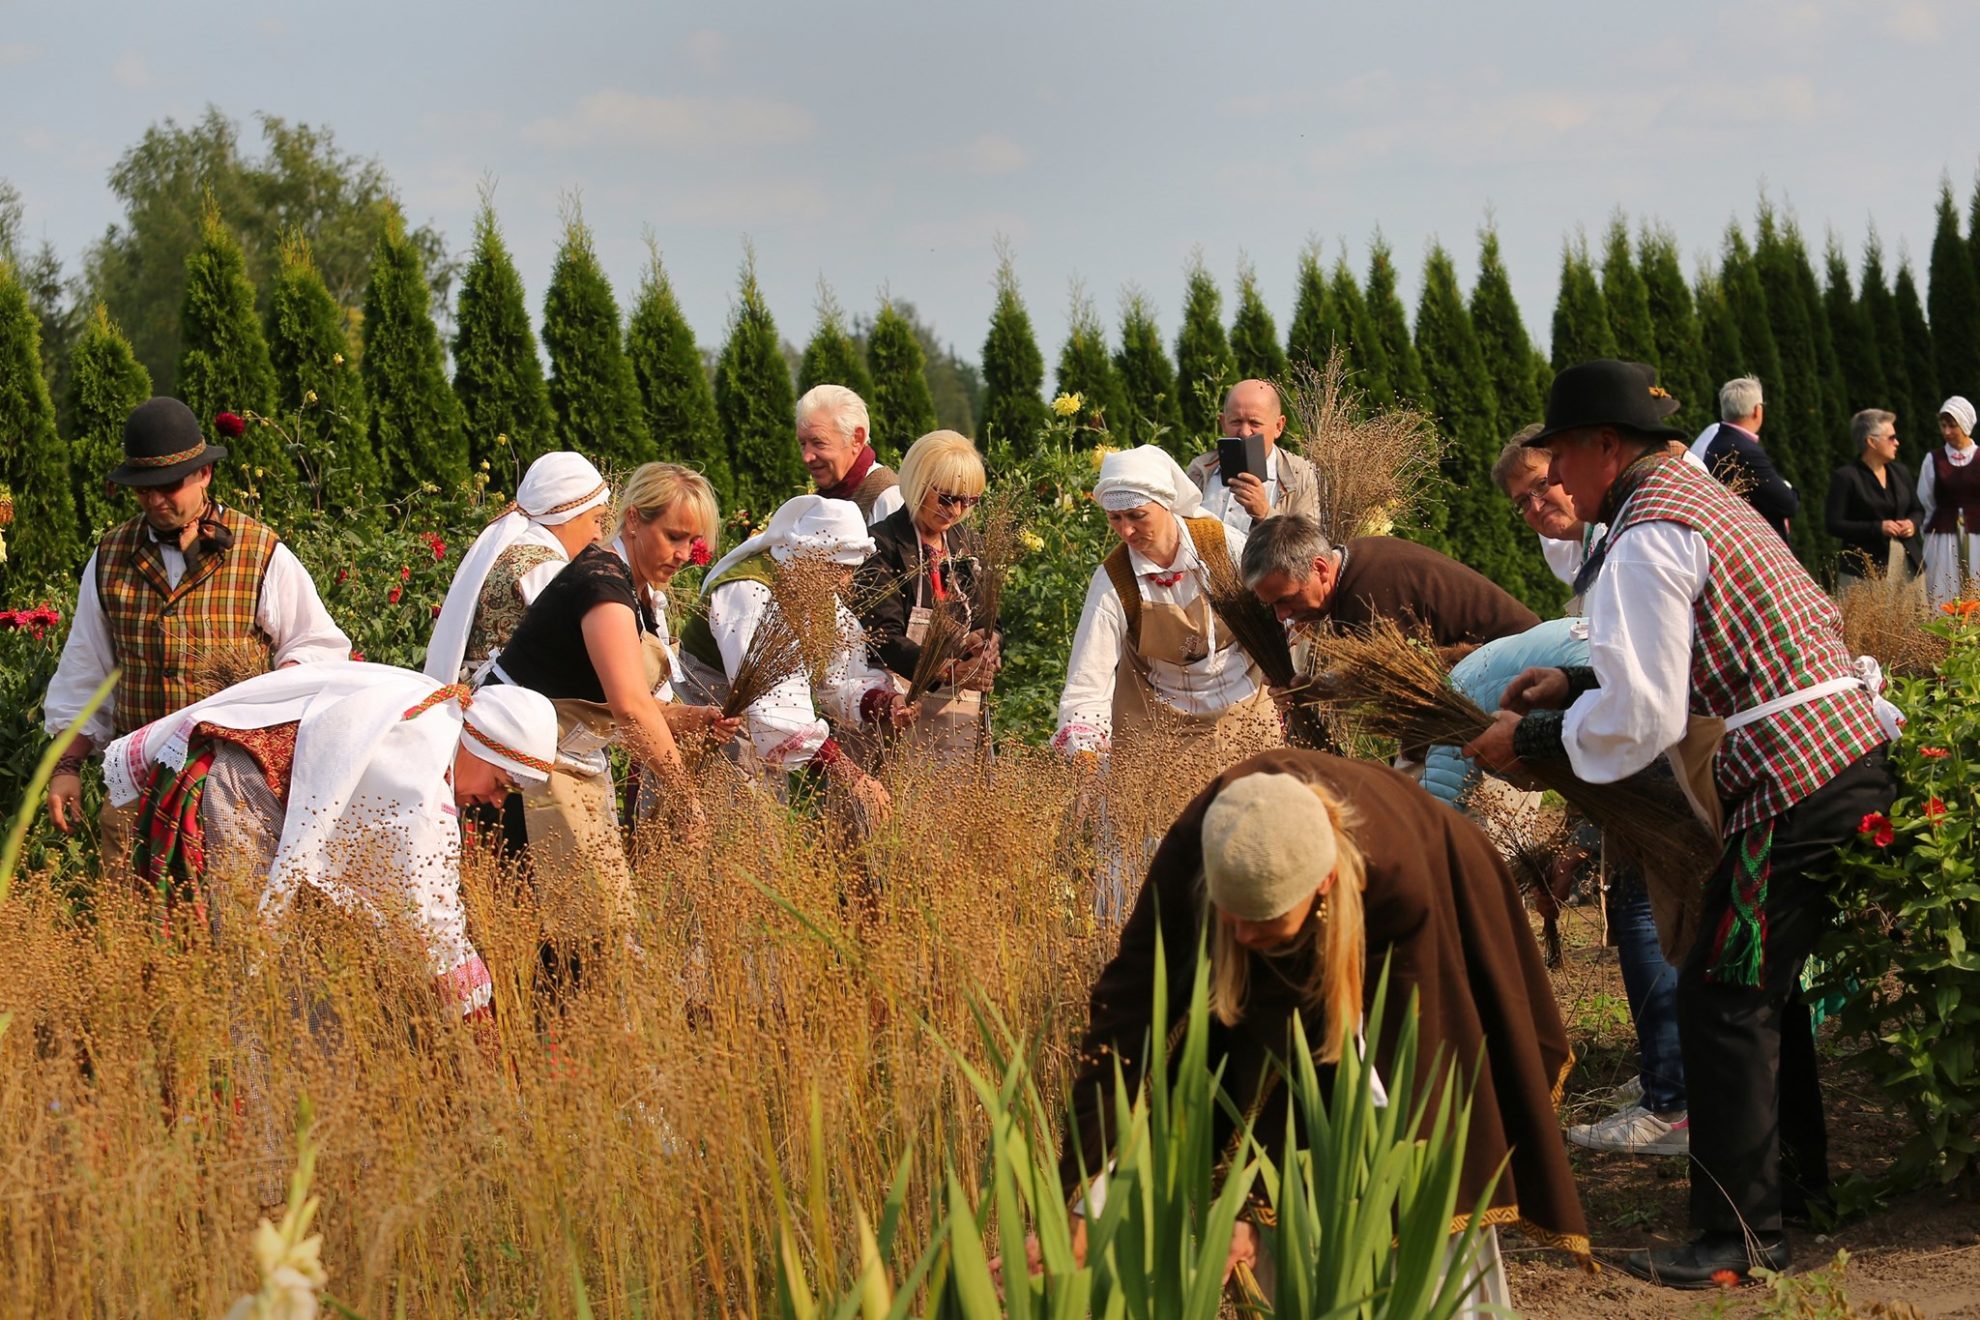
(1949, 488)
(785, 729)
(1150, 655)
(343, 777)
(560, 508)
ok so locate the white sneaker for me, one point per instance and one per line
(1629, 1094)
(1635, 1131)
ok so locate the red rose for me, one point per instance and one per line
(394, 594)
(699, 554)
(1934, 753)
(1934, 809)
(358, 656)
(405, 572)
(229, 425)
(1876, 827)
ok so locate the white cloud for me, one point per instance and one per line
(37, 139)
(130, 70)
(17, 52)
(271, 27)
(1915, 22)
(744, 205)
(993, 153)
(707, 46)
(613, 117)
(972, 233)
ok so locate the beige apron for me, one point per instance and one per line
(1676, 895)
(951, 721)
(1179, 635)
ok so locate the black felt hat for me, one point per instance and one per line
(162, 443)
(1608, 393)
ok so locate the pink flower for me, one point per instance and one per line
(229, 425)
(1876, 827)
(394, 594)
(698, 553)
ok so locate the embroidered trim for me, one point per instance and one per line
(165, 460)
(503, 749)
(439, 696)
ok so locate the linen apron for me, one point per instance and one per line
(951, 721)
(1179, 635)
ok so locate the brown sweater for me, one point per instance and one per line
(1442, 908)
(1426, 593)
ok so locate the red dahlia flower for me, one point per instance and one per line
(394, 594)
(1876, 827)
(698, 553)
(229, 425)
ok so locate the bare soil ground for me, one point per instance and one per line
(1921, 1252)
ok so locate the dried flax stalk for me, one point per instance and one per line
(1373, 465)
(1249, 623)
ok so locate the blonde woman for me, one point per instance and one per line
(925, 562)
(1303, 873)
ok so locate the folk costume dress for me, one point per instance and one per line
(1442, 910)
(1949, 491)
(1700, 613)
(509, 564)
(333, 777)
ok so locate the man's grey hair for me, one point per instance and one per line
(838, 405)
(1286, 544)
(1739, 398)
(1864, 424)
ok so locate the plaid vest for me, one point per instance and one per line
(1761, 629)
(157, 631)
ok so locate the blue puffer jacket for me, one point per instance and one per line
(1482, 676)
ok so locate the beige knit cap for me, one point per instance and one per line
(1267, 843)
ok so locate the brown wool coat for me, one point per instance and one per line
(1441, 906)
(1424, 592)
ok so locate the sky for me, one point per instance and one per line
(883, 147)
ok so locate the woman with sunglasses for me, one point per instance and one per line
(924, 562)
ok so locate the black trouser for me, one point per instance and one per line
(1749, 1051)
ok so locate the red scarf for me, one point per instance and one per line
(855, 474)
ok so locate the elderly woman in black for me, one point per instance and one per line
(1874, 509)
(924, 563)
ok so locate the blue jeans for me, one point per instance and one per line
(1650, 983)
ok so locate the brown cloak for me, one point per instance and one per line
(1442, 907)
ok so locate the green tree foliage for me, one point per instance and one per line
(57, 299)
(415, 423)
(1581, 315)
(1674, 326)
(321, 394)
(1316, 326)
(1502, 340)
(1254, 336)
(42, 548)
(593, 395)
(1391, 322)
(956, 386)
(302, 181)
(1205, 367)
(498, 376)
(1796, 429)
(1086, 368)
(1746, 300)
(1718, 347)
(1014, 410)
(754, 404)
(674, 392)
(1149, 413)
(1366, 357)
(832, 357)
(1954, 304)
(1857, 350)
(1880, 311)
(901, 405)
(1627, 297)
(106, 381)
(223, 360)
(1920, 363)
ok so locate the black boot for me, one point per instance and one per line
(1715, 1260)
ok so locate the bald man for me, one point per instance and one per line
(1252, 408)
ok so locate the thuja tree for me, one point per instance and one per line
(1255, 347)
(674, 393)
(1795, 434)
(323, 407)
(415, 422)
(1458, 393)
(42, 549)
(498, 376)
(1674, 325)
(1150, 414)
(1835, 390)
(106, 381)
(1204, 365)
(1626, 297)
(1954, 304)
(1315, 327)
(1920, 364)
(593, 397)
(753, 400)
(833, 357)
(1718, 344)
(1013, 369)
(1086, 370)
(1746, 299)
(1391, 322)
(1880, 312)
(1502, 340)
(223, 359)
(1366, 356)
(1581, 315)
(901, 406)
(1857, 352)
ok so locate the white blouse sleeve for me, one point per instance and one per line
(851, 675)
(1639, 642)
(783, 726)
(292, 614)
(1927, 488)
(87, 659)
(1086, 704)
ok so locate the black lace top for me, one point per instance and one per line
(546, 653)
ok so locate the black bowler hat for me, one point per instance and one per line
(1608, 393)
(162, 443)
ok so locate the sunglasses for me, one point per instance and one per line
(948, 501)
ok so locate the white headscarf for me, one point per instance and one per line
(1960, 411)
(1146, 475)
(806, 525)
(557, 488)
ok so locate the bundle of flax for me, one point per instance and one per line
(1373, 465)
(1403, 691)
(1249, 623)
(1532, 842)
(1885, 617)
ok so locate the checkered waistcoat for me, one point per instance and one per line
(1760, 630)
(156, 630)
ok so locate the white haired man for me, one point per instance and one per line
(832, 433)
(1731, 452)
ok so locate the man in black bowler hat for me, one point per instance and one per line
(186, 576)
(1709, 643)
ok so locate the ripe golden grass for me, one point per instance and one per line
(610, 1133)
